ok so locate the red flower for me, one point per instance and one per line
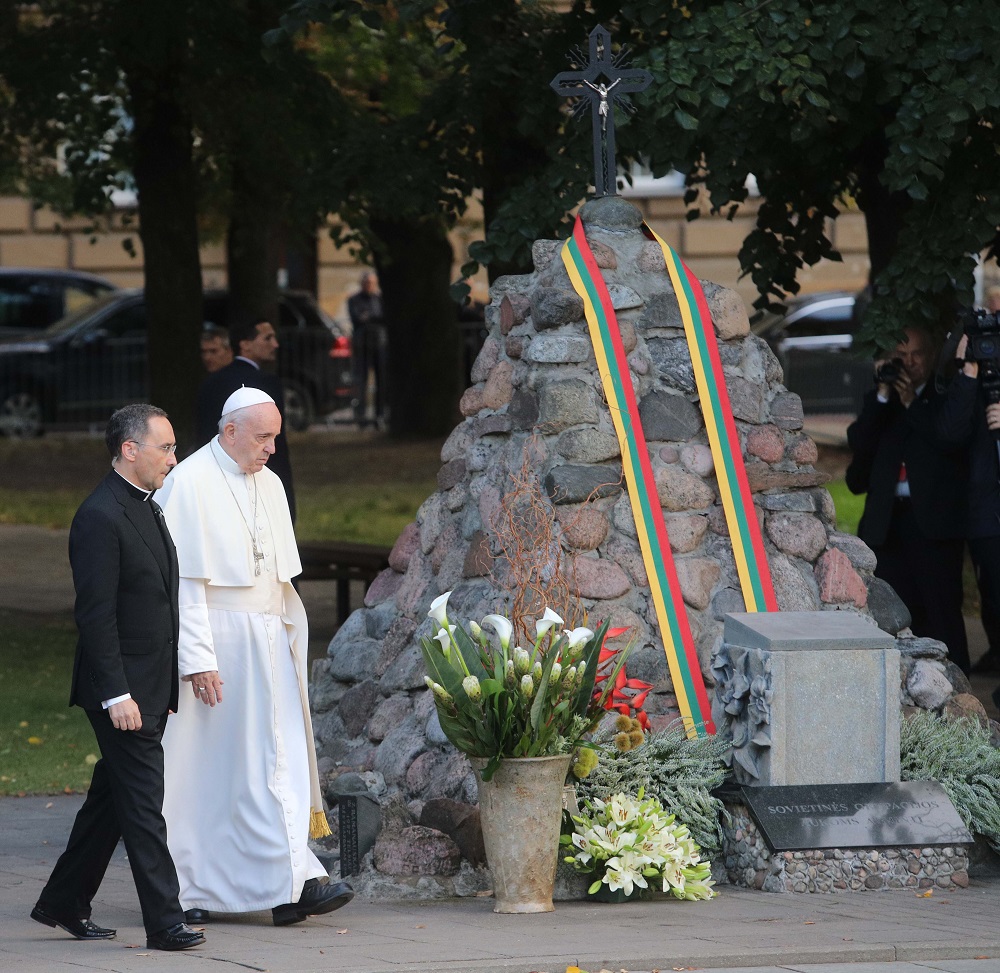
(628, 695)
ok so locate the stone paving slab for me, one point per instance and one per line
(741, 930)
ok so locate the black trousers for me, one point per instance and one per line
(985, 552)
(927, 575)
(125, 801)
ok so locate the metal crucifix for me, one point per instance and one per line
(602, 82)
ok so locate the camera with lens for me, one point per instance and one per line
(888, 372)
(983, 331)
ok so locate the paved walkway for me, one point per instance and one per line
(894, 932)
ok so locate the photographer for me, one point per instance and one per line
(981, 331)
(909, 457)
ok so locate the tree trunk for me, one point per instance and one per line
(508, 157)
(422, 325)
(883, 210)
(252, 251)
(165, 178)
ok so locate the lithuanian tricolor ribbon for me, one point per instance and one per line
(748, 548)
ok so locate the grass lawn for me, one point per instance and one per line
(46, 746)
(849, 506)
(349, 486)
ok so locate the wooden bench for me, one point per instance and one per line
(343, 562)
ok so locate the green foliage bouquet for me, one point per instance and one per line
(627, 842)
(495, 700)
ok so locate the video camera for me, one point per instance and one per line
(983, 331)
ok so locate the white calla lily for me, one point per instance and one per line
(502, 627)
(439, 609)
(444, 637)
(578, 636)
(548, 619)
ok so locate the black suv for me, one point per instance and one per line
(813, 340)
(32, 298)
(85, 366)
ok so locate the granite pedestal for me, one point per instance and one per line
(813, 698)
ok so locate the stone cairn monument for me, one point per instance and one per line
(536, 386)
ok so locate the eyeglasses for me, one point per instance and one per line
(172, 448)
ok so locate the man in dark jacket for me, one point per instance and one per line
(909, 457)
(258, 349)
(125, 678)
(368, 346)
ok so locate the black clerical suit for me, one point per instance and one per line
(125, 575)
(918, 540)
(218, 386)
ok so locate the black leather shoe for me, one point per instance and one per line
(78, 928)
(316, 900)
(181, 936)
(197, 916)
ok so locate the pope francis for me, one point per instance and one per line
(242, 793)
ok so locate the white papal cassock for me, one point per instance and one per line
(240, 777)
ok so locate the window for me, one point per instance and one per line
(27, 304)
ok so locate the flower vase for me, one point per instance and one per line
(521, 812)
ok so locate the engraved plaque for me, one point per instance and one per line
(911, 814)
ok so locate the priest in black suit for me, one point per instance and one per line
(909, 445)
(257, 343)
(125, 678)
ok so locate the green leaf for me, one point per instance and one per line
(686, 121)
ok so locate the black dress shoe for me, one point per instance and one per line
(78, 928)
(197, 916)
(181, 936)
(316, 900)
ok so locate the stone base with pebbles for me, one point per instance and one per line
(536, 382)
(749, 863)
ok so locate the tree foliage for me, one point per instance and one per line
(889, 106)
(177, 102)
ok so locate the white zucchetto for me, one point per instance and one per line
(244, 397)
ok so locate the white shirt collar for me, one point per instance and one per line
(228, 464)
(148, 493)
(249, 361)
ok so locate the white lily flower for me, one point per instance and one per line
(444, 637)
(548, 619)
(578, 636)
(439, 609)
(502, 627)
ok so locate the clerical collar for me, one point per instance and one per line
(225, 461)
(249, 361)
(136, 492)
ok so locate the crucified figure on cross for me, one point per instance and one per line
(602, 90)
(596, 83)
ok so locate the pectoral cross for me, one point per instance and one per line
(258, 557)
(602, 82)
